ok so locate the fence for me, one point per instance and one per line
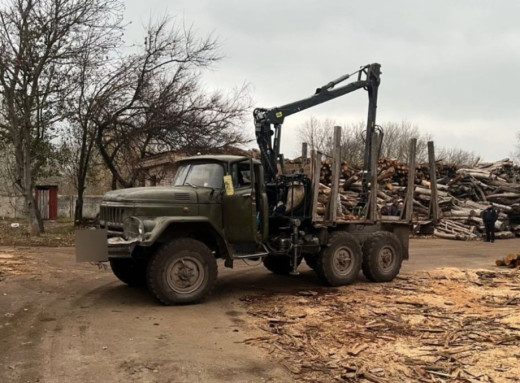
(13, 207)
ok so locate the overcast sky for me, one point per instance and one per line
(451, 68)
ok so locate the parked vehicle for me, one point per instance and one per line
(234, 207)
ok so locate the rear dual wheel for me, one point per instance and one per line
(339, 262)
(382, 257)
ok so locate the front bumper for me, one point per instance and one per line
(93, 246)
(121, 248)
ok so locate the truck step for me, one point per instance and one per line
(249, 256)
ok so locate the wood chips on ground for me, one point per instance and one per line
(446, 325)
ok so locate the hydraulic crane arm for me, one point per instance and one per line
(268, 122)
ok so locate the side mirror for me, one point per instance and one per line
(228, 184)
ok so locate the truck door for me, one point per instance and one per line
(239, 209)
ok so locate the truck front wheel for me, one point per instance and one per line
(382, 257)
(340, 261)
(130, 271)
(182, 271)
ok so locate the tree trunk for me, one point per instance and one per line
(81, 178)
(37, 220)
(25, 184)
(78, 210)
(109, 162)
(34, 216)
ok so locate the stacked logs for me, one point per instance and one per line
(463, 194)
(422, 171)
(473, 189)
(326, 171)
(512, 261)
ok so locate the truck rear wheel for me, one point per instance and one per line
(382, 257)
(340, 261)
(130, 271)
(182, 271)
(279, 264)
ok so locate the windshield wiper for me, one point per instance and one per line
(190, 184)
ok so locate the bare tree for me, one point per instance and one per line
(39, 40)
(395, 145)
(396, 140)
(317, 134)
(91, 65)
(6, 169)
(353, 144)
(457, 156)
(153, 101)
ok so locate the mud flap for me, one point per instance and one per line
(91, 245)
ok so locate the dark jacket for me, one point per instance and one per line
(489, 215)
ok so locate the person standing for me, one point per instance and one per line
(490, 216)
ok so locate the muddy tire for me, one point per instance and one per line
(279, 264)
(382, 257)
(339, 262)
(130, 271)
(182, 271)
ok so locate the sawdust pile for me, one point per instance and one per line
(442, 326)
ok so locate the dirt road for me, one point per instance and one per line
(67, 322)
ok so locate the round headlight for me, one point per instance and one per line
(133, 228)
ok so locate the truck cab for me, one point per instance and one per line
(197, 204)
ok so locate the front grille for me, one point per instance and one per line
(111, 216)
(181, 196)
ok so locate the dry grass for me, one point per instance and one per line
(57, 234)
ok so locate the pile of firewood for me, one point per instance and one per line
(399, 171)
(512, 260)
(463, 194)
(326, 171)
(470, 190)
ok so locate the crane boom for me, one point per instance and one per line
(268, 122)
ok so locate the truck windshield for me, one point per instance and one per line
(204, 175)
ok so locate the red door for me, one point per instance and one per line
(47, 201)
(53, 202)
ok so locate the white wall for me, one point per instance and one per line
(12, 207)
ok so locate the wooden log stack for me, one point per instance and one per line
(463, 194)
(512, 260)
